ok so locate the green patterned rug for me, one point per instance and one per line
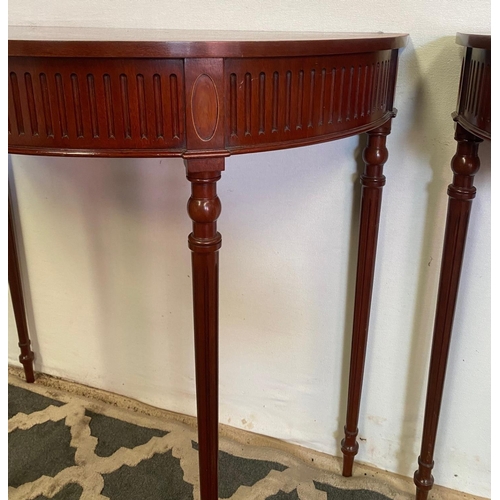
(64, 447)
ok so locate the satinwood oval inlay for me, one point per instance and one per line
(205, 107)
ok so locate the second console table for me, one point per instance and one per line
(473, 125)
(203, 96)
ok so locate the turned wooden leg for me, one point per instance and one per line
(461, 192)
(204, 208)
(16, 292)
(374, 155)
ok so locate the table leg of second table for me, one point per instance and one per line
(461, 192)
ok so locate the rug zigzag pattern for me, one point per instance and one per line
(89, 467)
(164, 466)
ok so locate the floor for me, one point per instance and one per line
(71, 442)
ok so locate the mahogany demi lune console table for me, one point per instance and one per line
(203, 96)
(473, 125)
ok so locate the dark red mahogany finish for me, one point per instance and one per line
(16, 292)
(372, 180)
(203, 96)
(473, 118)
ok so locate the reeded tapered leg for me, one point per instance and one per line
(16, 292)
(461, 192)
(204, 208)
(374, 155)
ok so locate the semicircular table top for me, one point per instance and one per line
(127, 92)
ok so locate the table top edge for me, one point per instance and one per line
(194, 43)
(474, 40)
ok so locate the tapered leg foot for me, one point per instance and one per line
(372, 180)
(350, 449)
(422, 494)
(423, 479)
(27, 362)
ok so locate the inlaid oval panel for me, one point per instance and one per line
(205, 107)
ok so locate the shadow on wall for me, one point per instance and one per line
(130, 191)
(282, 179)
(325, 252)
(121, 205)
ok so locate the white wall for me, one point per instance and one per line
(109, 269)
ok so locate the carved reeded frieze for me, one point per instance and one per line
(475, 94)
(195, 107)
(274, 100)
(106, 103)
